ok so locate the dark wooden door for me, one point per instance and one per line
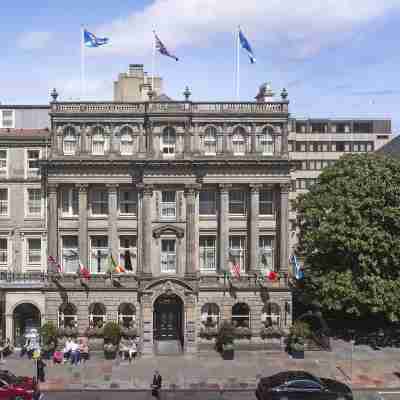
(168, 319)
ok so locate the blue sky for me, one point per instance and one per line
(336, 58)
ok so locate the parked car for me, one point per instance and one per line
(23, 381)
(299, 385)
(12, 392)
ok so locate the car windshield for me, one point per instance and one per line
(284, 377)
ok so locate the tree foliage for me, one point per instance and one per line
(349, 237)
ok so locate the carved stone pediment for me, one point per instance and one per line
(169, 286)
(165, 229)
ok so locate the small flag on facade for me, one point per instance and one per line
(114, 266)
(53, 266)
(128, 261)
(162, 49)
(82, 271)
(91, 40)
(297, 270)
(246, 46)
(235, 264)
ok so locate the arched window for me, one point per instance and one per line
(126, 144)
(266, 141)
(210, 141)
(271, 315)
(126, 315)
(69, 141)
(238, 143)
(67, 316)
(97, 314)
(210, 314)
(241, 315)
(168, 141)
(98, 142)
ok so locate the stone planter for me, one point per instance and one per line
(228, 354)
(96, 344)
(297, 354)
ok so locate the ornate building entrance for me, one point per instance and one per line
(168, 318)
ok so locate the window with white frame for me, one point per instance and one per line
(32, 162)
(237, 251)
(7, 119)
(3, 163)
(266, 253)
(69, 202)
(127, 201)
(33, 251)
(126, 315)
(98, 142)
(70, 254)
(238, 142)
(99, 201)
(126, 141)
(3, 252)
(237, 202)
(208, 254)
(168, 141)
(266, 141)
(99, 253)
(97, 315)
(241, 315)
(34, 204)
(210, 314)
(128, 252)
(168, 256)
(207, 202)
(210, 141)
(271, 314)
(266, 202)
(69, 141)
(67, 316)
(3, 202)
(168, 205)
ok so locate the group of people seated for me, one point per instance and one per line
(74, 352)
(128, 348)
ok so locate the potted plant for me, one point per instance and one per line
(298, 333)
(271, 332)
(225, 339)
(228, 351)
(297, 349)
(48, 333)
(129, 331)
(112, 336)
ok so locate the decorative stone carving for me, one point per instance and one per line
(179, 232)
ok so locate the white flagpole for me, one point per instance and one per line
(153, 62)
(237, 64)
(82, 63)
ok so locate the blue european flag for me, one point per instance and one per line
(246, 45)
(91, 40)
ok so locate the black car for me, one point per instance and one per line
(299, 385)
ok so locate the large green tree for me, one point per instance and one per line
(349, 237)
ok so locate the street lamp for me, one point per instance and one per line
(351, 331)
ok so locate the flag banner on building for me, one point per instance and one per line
(90, 40)
(114, 267)
(162, 49)
(53, 266)
(297, 270)
(82, 271)
(246, 46)
(234, 260)
(128, 260)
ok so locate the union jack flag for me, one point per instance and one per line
(162, 49)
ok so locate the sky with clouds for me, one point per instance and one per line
(336, 58)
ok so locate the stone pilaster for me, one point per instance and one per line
(284, 226)
(253, 226)
(52, 224)
(83, 139)
(113, 220)
(83, 223)
(253, 139)
(223, 226)
(142, 139)
(196, 139)
(147, 194)
(192, 232)
(285, 138)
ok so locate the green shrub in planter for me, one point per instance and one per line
(226, 335)
(61, 332)
(48, 333)
(271, 332)
(110, 351)
(228, 351)
(128, 332)
(70, 331)
(112, 332)
(298, 332)
(243, 332)
(208, 332)
(90, 332)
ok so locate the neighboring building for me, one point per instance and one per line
(392, 148)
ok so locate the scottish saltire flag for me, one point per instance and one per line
(91, 40)
(162, 49)
(246, 45)
(297, 270)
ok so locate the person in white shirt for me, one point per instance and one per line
(75, 353)
(67, 349)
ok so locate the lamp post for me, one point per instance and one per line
(351, 331)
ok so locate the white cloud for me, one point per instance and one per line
(33, 40)
(297, 28)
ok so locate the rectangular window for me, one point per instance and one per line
(207, 202)
(333, 146)
(99, 254)
(32, 163)
(311, 164)
(318, 166)
(3, 163)
(290, 147)
(127, 202)
(70, 254)
(128, 252)
(237, 202)
(168, 205)
(3, 202)
(34, 251)
(340, 146)
(208, 254)
(69, 202)
(3, 252)
(325, 147)
(266, 202)
(99, 202)
(7, 119)
(369, 147)
(303, 147)
(34, 206)
(304, 165)
(347, 147)
(168, 256)
(237, 251)
(266, 253)
(356, 147)
(362, 127)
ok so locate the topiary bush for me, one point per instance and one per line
(112, 332)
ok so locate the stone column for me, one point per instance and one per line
(253, 226)
(196, 139)
(285, 138)
(113, 220)
(192, 232)
(253, 139)
(147, 239)
(284, 226)
(83, 139)
(142, 139)
(223, 226)
(52, 223)
(83, 223)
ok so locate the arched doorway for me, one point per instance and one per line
(168, 318)
(26, 319)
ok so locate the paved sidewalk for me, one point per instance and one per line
(368, 368)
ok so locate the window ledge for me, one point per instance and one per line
(69, 217)
(102, 216)
(33, 218)
(127, 216)
(208, 216)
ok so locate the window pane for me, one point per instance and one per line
(207, 203)
(127, 201)
(99, 202)
(34, 251)
(237, 202)
(3, 251)
(168, 256)
(34, 201)
(207, 254)
(266, 202)
(99, 254)
(127, 252)
(3, 201)
(70, 254)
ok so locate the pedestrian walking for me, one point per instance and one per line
(40, 365)
(156, 385)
